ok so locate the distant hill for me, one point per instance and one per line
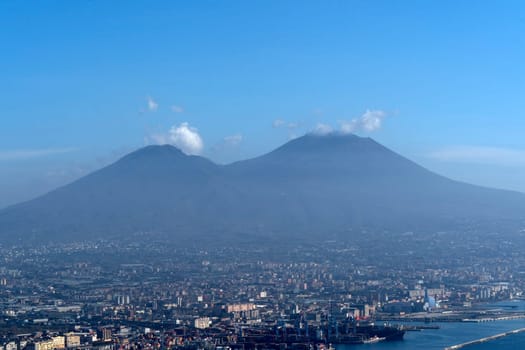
(311, 186)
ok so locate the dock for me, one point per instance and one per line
(486, 339)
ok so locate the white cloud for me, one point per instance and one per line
(480, 155)
(233, 139)
(177, 109)
(186, 138)
(182, 136)
(32, 153)
(322, 129)
(370, 121)
(277, 123)
(152, 105)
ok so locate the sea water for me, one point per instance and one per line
(452, 333)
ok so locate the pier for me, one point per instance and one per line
(486, 339)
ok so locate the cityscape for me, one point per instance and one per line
(262, 175)
(130, 294)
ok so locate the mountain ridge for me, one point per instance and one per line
(310, 185)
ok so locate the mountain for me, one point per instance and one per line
(311, 186)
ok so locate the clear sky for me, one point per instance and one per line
(83, 82)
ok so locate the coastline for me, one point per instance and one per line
(482, 312)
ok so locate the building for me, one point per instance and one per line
(72, 340)
(202, 322)
(59, 342)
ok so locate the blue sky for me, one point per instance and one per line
(85, 82)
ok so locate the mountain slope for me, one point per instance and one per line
(354, 180)
(311, 185)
